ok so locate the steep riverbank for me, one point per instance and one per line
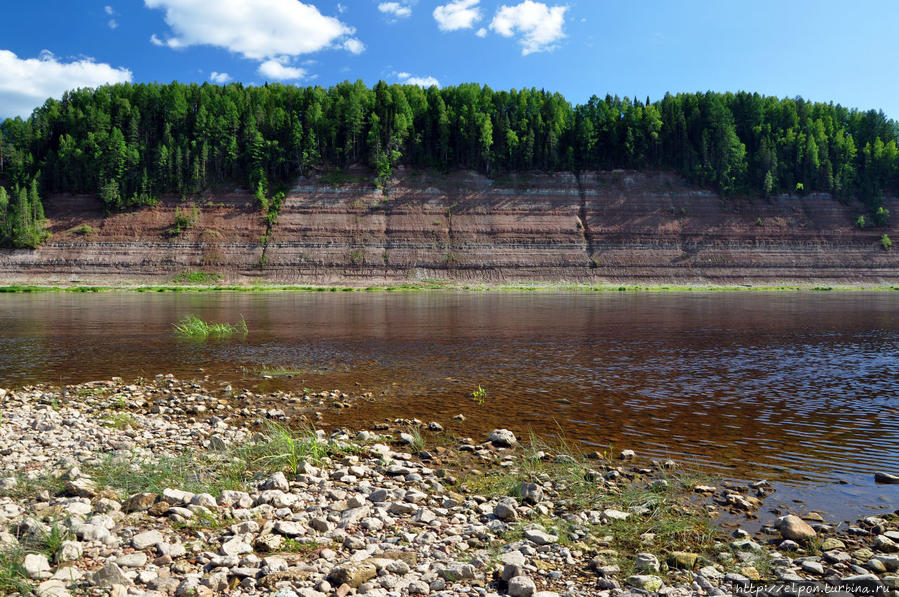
(596, 228)
(171, 487)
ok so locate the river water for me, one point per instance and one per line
(800, 388)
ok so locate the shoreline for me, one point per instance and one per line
(439, 286)
(181, 487)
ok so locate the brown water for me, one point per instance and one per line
(797, 388)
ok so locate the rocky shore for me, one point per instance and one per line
(167, 487)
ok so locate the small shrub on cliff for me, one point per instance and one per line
(886, 243)
(183, 221)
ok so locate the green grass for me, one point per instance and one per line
(195, 472)
(194, 327)
(199, 278)
(284, 449)
(306, 548)
(121, 421)
(12, 574)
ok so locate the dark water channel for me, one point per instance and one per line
(798, 388)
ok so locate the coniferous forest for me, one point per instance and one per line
(127, 144)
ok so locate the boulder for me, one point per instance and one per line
(502, 438)
(794, 528)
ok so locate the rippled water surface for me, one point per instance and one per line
(799, 388)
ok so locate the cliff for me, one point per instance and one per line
(599, 228)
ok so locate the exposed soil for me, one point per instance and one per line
(598, 228)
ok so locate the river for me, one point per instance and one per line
(799, 388)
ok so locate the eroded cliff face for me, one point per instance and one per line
(608, 227)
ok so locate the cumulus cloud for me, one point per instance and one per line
(459, 14)
(395, 9)
(481, 32)
(259, 30)
(408, 79)
(278, 70)
(27, 82)
(219, 78)
(113, 24)
(538, 25)
(354, 46)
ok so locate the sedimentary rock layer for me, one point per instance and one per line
(608, 227)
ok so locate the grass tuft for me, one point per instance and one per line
(194, 327)
(284, 449)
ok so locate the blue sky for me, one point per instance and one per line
(823, 50)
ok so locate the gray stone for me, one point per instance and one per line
(36, 566)
(146, 539)
(138, 559)
(885, 544)
(109, 575)
(177, 496)
(646, 582)
(81, 487)
(289, 529)
(646, 562)
(890, 563)
(352, 573)
(612, 514)
(235, 547)
(69, 551)
(505, 511)
(206, 500)
(521, 586)
(276, 481)
(540, 537)
(502, 437)
(52, 588)
(886, 478)
(794, 528)
(530, 493)
(454, 571)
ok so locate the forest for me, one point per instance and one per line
(128, 144)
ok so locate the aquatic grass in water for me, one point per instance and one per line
(194, 327)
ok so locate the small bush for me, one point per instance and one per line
(886, 243)
(861, 222)
(183, 221)
(84, 230)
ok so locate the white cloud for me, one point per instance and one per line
(341, 8)
(278, 70)
(481, 32)
(27, 83)
(259, 30)
(219, 78)
(408, 79)
(354, 46)
(113, 24)
(459, 14)
(109, 10)
(156, 41)
(395, 9)
(539, 25)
